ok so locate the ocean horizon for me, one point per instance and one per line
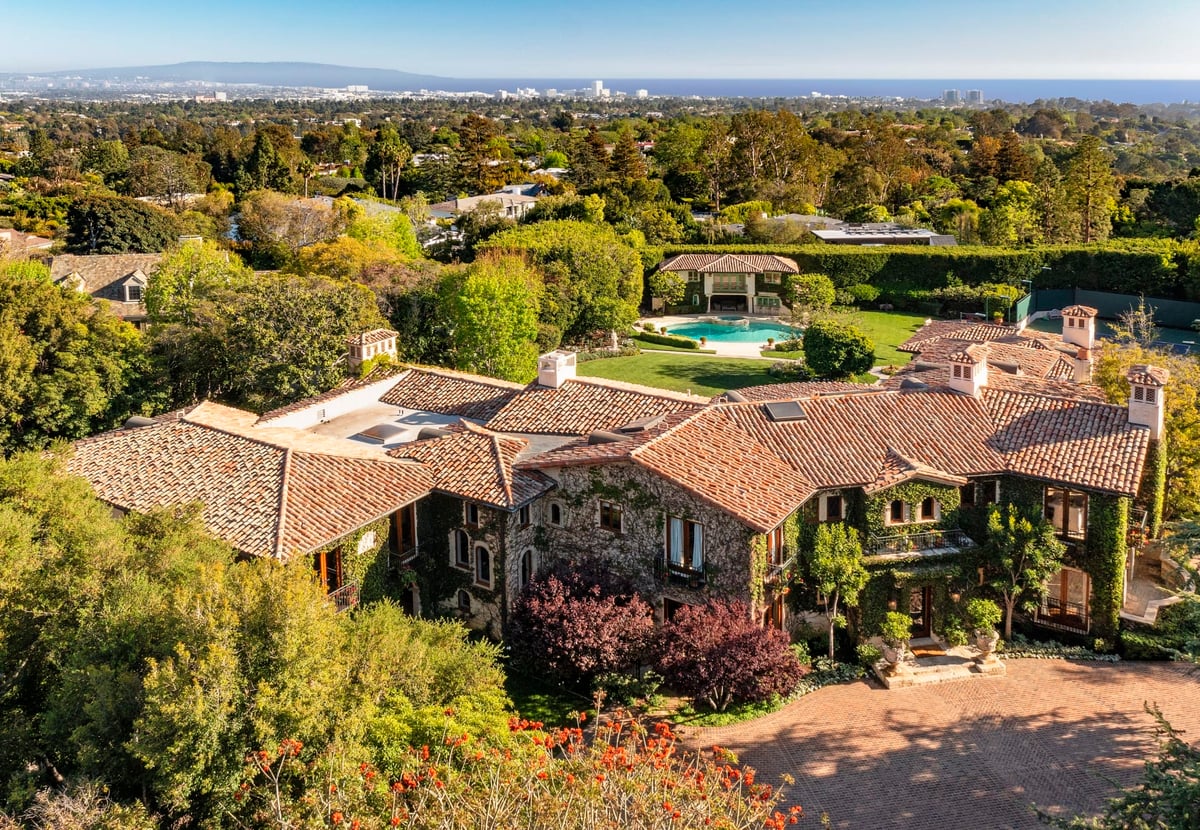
(1002, 89)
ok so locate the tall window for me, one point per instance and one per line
(685, 543)
(895, 514)
(832, 508)
(556, 514)
(471, 514)
(527, 568)
(483, 565)
(460, 550)
(523, 516)
(610, 516)
(966, 494)
(929, 509)
(775, 546)
(328, 565)
(464, 602)
(1067, 511)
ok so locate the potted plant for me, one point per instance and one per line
(998, 317)
(895, 630)
(703, 340)
(982, 617)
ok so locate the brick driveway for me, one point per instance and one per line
(970, 753)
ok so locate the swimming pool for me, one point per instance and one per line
(756, 331)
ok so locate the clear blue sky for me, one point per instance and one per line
(1128, 39)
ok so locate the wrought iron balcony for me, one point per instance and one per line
(775, 572)
(344, 598)
(1068, 616)
(399, 558)
(678, 574)
(930, 543)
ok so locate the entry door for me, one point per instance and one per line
(920, 608)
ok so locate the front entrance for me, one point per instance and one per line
(920, 609)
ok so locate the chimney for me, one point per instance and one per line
(1082, 364)
(1079, 326)
(556, 368)
(968, 370)
(1146, 398)
(371, 344)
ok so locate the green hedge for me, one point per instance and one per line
(1154, 267)
(667, 340)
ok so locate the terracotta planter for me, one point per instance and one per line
(894, 657)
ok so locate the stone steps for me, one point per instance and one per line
(927, 671)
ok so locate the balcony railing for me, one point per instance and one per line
(399, 558)
(1070, 616)
(930, 543)
(683, 575)
(344, 598)
(775, 572)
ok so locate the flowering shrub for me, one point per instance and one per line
(620, 775)
(717, 654)
(576, 621)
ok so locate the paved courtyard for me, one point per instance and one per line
(972, 753)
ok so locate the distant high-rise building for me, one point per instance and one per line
(597, 89)
(551, 92)
(643, 93)
(974, 96)
(950, 97)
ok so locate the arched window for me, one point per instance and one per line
(527, 569)
(556, 514)
(483, 565)
(464, 602)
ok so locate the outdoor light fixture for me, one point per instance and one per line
(891, 605)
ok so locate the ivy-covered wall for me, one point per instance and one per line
(437, 582)
(1108, 527)
(1154, 486)
(369, 569)
(912, 493)
(646, 500)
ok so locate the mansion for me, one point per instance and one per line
(451, 490)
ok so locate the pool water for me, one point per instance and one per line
(755, 332)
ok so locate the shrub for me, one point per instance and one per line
(837, 350)
(982, 614)
(718, 655)
(896, 628)
(869, 655)
(577, 620)
(814, 292)
(667, 340)
(789, 371)
(863, 293)
(624, 689)
(793, 345)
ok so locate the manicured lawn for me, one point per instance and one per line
(657, 347)
(698, 375)
(888, 329)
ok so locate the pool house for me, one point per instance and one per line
(742, 283)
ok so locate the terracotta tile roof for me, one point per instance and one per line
(1080, 311)
(265, 491)
(897, 469)
(476, 464)
(1031, 357)
(1054, 385)
(582, 452)
(1148, 375)
(582, 405)
(728, 469)
(1079, 442)
(371, 337)
(796, 391)
(451, 393)
(377, 373)
(960, 330)
(729, 263)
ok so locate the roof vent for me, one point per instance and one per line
(735, 396)
(602, 437)
(641, 424)
(139, 421)
(381, 433)
(784, 411)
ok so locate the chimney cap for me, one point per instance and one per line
(1142, 374)
(975, 353)
(1079, 311)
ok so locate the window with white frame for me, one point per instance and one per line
(685, 543)
(831, 508)
(772, 277)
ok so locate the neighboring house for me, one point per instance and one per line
(690, 498)
(881, 233)
(749, 283)
(17, 244)
(513, 205)
(118, 279)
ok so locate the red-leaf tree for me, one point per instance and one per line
(717, 654)
(577, 620)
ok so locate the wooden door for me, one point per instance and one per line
(920, 608)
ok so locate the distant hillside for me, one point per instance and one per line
(268, 74)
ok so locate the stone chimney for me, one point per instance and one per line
(968, 370)
(1082, 364)
(1146, 397)
(370, 344)
(556, 368)
(1079, 326)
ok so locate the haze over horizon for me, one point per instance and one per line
(1075, 39)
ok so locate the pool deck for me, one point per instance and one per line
(748, 350)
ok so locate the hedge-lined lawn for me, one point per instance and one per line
(888, 329)
(682, 373)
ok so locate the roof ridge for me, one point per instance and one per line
(505, 483)
(283, 503)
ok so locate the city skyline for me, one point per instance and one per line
(623, 39)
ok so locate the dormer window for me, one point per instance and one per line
(134, 293)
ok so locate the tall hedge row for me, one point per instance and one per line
(1156, 268)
